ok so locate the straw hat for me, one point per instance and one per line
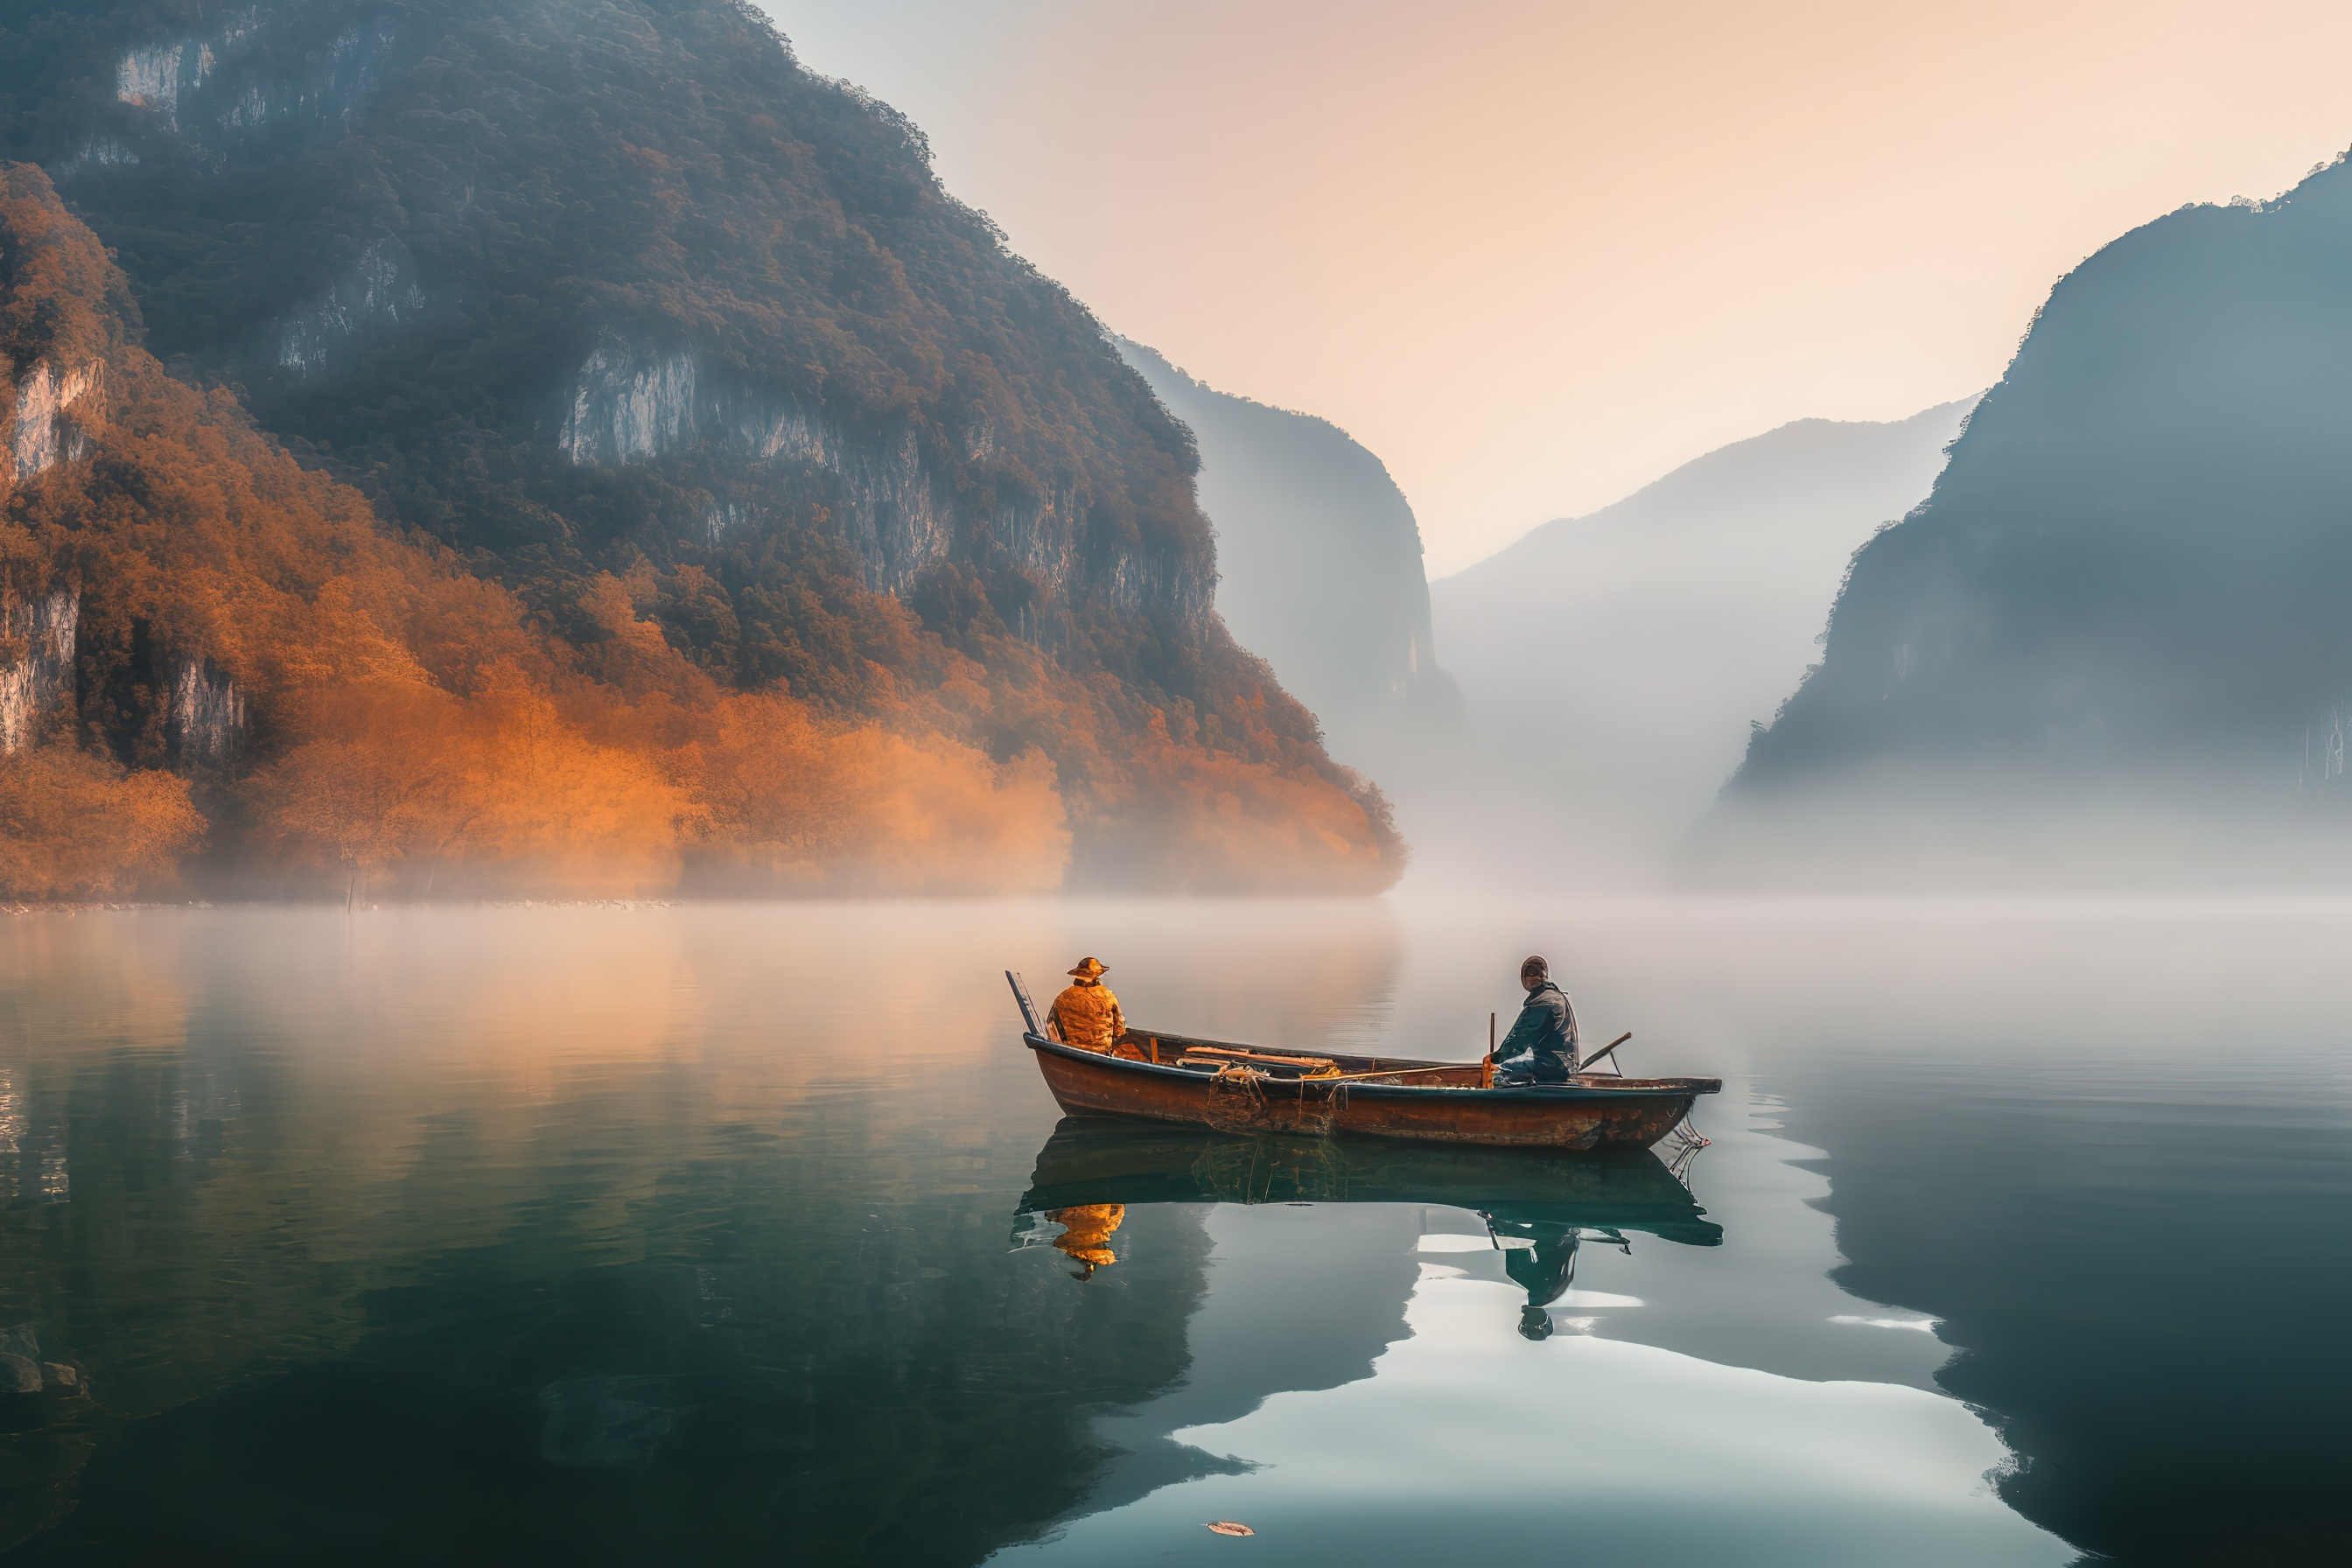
(1088, 968)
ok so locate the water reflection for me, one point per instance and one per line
(1545, 1267)
(1538, 1207)
(1085, 1234)
(670, 1234)
(1351, 1364)
(629, 1234)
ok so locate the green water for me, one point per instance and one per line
(748, 1233)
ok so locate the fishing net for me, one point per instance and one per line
(1237, 1099)
(1246, 1099)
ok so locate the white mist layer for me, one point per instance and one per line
(1613, 664)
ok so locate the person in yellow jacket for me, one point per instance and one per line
(1085, 1234)
(1088, 1014)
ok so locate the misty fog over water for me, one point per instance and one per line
(655, 1231)
(459, 452)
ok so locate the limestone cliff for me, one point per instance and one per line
(563, 282)
(37, 657)
(50, 414)
(590, 289)
(1318, 565)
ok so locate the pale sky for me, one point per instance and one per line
(1536, 255)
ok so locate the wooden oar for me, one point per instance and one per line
(1605, 1051)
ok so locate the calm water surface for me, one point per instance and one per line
(748, 1233)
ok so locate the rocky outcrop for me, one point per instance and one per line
(891, 501)
(243, 77)
(380, 289)
(631, 407)
(207, 715)
(53, 413)
(154, 76)
(627, 407)
(47, 422)
(23, 1370)
(37, 662)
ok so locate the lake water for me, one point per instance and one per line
(724, 1234)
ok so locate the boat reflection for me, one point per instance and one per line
(1539, 1210)
(1544, 1266)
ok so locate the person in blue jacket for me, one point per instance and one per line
(1541, 1045)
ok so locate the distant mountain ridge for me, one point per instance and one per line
(1612, 664)
(615, 288)
(1318, 564)
(2128, 582)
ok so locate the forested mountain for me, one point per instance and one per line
(638, 316)
(2128, 581)
(1612, 663)
(205, 642)
(1318, 565)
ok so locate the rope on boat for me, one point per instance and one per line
(1320, 1117)
(1238, 1102)
(1236, 1099)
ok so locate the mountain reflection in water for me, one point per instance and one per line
(681, 1234)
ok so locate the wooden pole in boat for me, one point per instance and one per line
(1388, 1072)
(1487, 1069)
(1605, 1051)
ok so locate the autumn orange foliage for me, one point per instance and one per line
(413, 728)
(402, 776)
(74, 825)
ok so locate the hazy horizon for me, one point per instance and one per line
(1538, 256)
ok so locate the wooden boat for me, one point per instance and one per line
(1093, 1160)
(1237, 1087)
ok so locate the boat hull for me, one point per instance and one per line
(1439, 1103)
